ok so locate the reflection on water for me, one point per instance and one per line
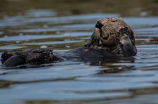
(131, 80)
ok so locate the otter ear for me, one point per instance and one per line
(99, 24)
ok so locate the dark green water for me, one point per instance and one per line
(67, 24)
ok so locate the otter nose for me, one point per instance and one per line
(99, 24)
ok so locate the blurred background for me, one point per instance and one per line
(77, 7)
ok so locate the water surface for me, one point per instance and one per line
(131, 80)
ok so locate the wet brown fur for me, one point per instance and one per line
(112, 28)
(34, 56)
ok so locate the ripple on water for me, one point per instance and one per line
(23, 20)
(112, 81)
(10, 47)
(33, 37)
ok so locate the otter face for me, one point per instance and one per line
(112, 32)
(109, 30)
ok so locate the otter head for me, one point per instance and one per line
(112, 32)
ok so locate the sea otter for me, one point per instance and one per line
(112, 37)
(115, 36)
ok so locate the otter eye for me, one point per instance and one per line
(99, 24)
